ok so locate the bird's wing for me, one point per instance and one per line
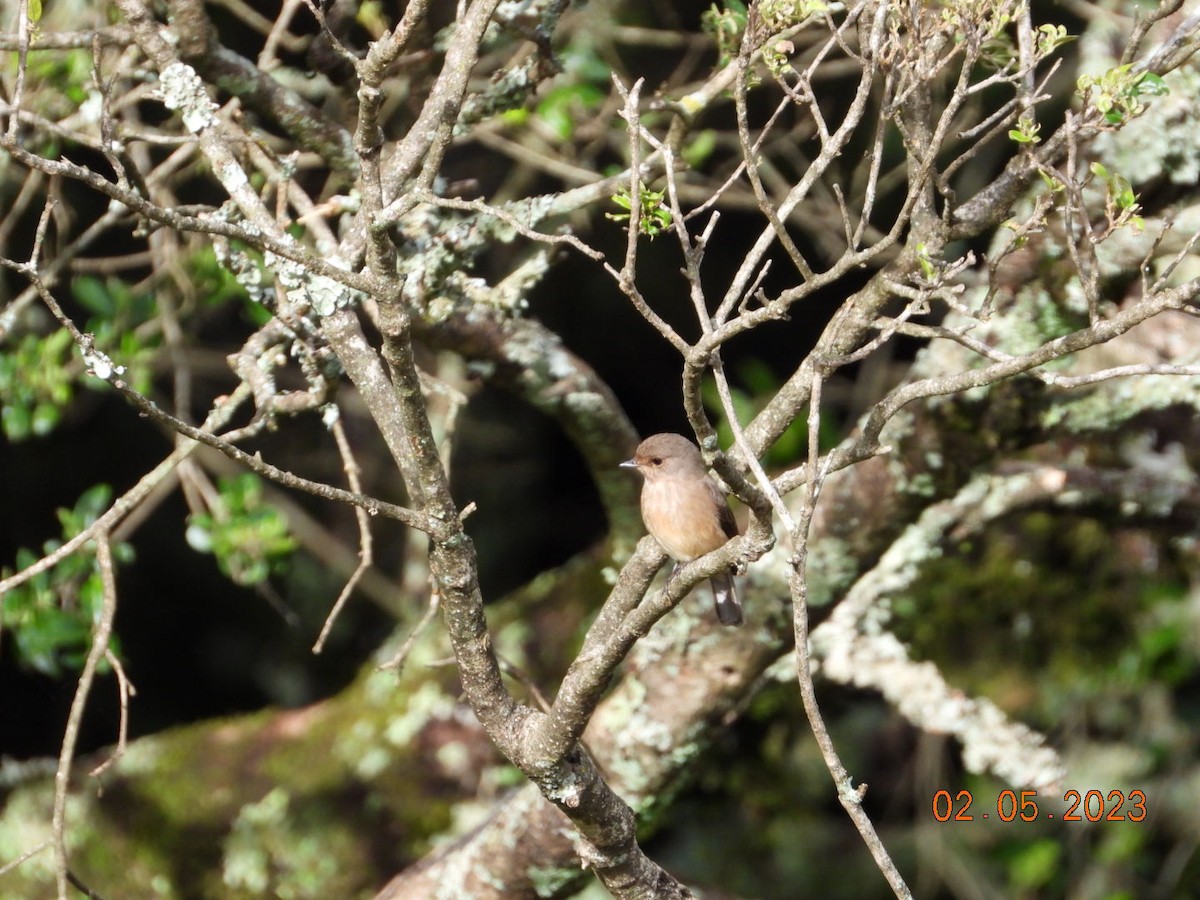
(724, 513)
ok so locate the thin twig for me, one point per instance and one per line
(626, 278)
(125, 690)
(62, 777)
(28, 854)
(523, 678)
(849, 795)
(80, 885)
(366, 553)
(431, 610)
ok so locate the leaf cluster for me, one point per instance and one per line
(51, 616)
(39, 376)
(249, 538)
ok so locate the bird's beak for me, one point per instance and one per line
(628, 464)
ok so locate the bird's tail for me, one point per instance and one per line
(729, 607)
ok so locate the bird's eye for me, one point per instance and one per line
(656, 461)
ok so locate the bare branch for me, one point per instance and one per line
(366, 556)
(99, 649)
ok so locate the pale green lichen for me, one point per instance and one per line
(26, 825)
(509, 89)
(1033, 319)
(465, 817)
(276, 849)
(672, 632)
(454, 757)
(373, 762)
(1115, 402)
(379, 687)
(547, 881)
(181, 89)
(1171, 481)
(1108, 764)
(921, 484)
(529, 211)
(512, 292)
(246, 860)
(439, 309)
(428, 703)
(310, 290)
(360, 748)
(832, 566)
(141, 757)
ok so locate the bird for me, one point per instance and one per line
(686, 512)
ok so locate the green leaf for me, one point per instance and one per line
(562, 107)
(370, 16)
(94, 296)
(1026, 131)
(1051, 182)
(654, 217)
(1050, 37)
(248, 538)
(91, 504)
(1035, 864)
(51, 616)
(700, 148)
(45, 635)
(45, 417)
(17, 422)
(1152, 85)
(1122, 192)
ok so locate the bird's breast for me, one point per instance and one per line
(683, 517)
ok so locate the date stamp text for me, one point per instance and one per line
(1027, 806)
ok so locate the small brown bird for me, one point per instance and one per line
(685, 511)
